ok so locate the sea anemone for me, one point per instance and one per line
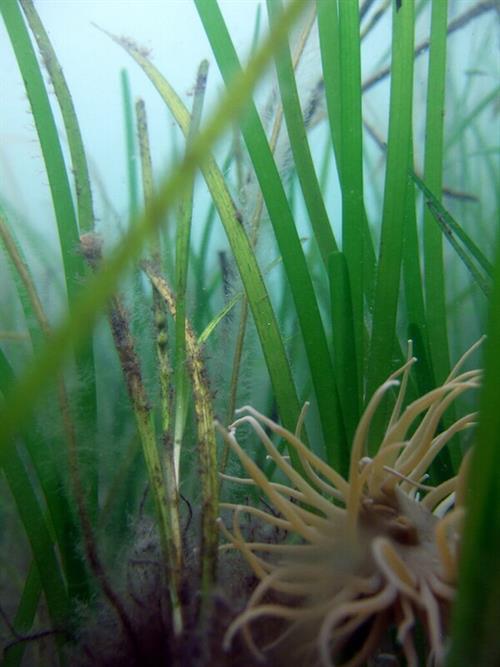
(366, 560)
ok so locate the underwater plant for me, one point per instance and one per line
(363, 554)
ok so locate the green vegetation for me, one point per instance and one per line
(107, 418)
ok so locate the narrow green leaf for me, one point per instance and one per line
(414, 293)
(344, 350)
(434, 274)
(351, 166)
(329, 41)
(450, 227)
(183, 236)
(130, 143)
(417, 323)
(200, 260)
(383, 340)
(341, 69)
(300, 147)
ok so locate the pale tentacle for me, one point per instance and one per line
(335, 478)
(362, 609)
(310, 494)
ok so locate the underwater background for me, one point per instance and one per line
(172, 251)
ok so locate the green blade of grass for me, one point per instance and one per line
(326, 163)
(329, 41)
(478, 603)
(417, 324)
(200, 260)
(20, 399)
(132, 161)
(75, 142)
(183, 236)
(396, 180)
(477, 276)
(343, 348)
(285, 232)
(449, 226)
(341, 68)
(434, 280)
(414, 293)
(300, 148)
(351, 166)
(130, 143)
